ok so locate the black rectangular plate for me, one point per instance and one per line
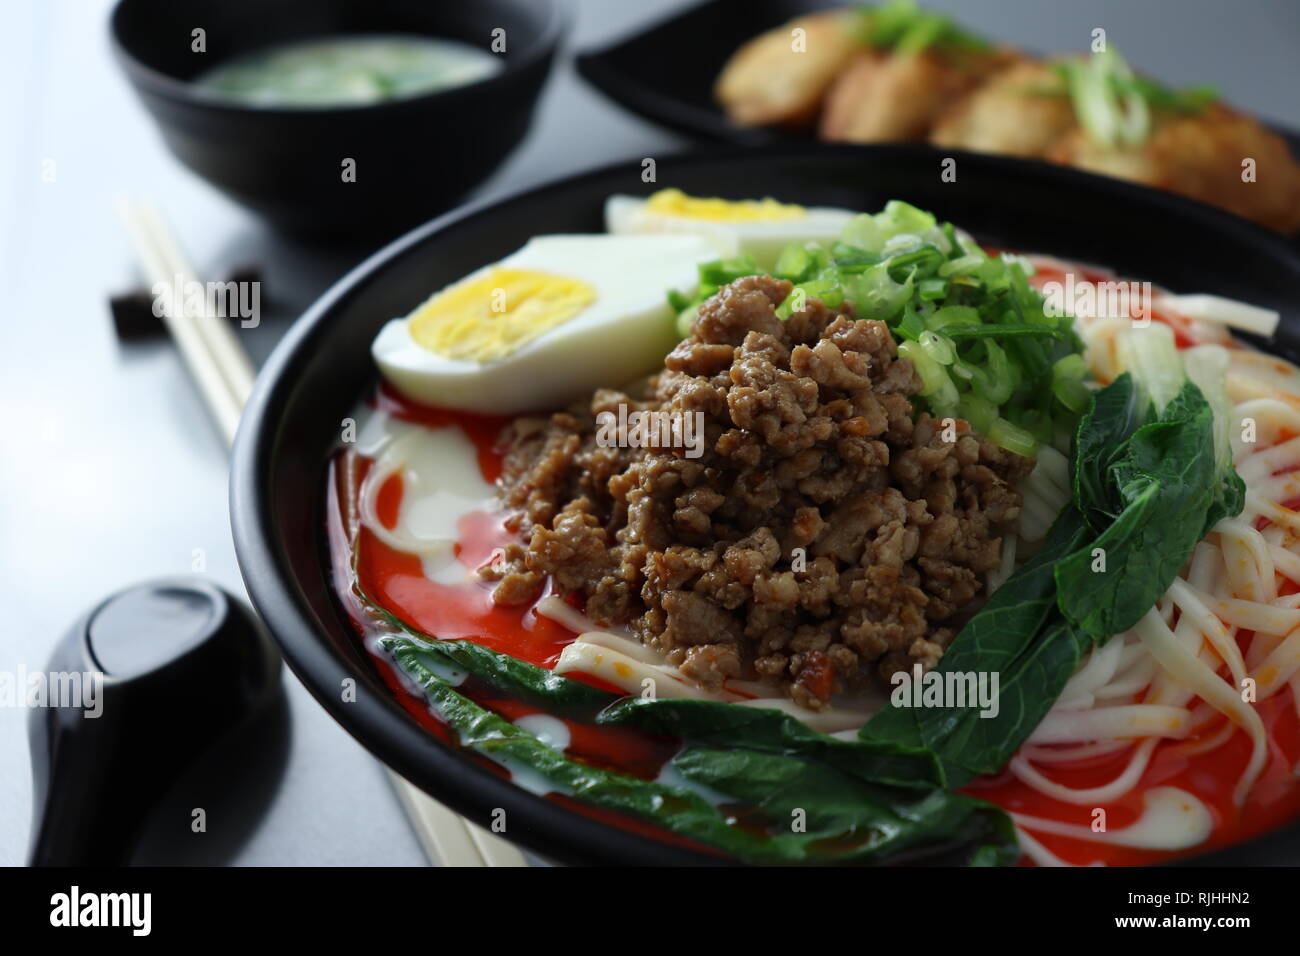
(665, 73)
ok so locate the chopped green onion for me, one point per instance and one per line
(826, 290)
(900, 218)
(937, 347)
(930, 289)
(953, 315)
(935, 383)
(861, 232)
(963, 264)
(1005, 330)
(911, 326)
(794, 263)
(977, 411)
(677, 301)
(723, 271)
(913, 256)
(1190, 100)
(977, 332)
(1067, 382)
(847, 258)
(686, 318)
(1036, 422)
(1114, 106)
(876, 294)
(1013, 438)
(902, 26)
(996, 381)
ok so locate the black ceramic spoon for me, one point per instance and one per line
(179, 665)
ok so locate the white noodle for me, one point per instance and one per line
(1126, 781)
(1106, 723)
(1194, 674)
(1187, 646)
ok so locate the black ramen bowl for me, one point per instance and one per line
(413, 157)
(322, 369)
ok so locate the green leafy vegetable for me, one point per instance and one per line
(504, 743)
(1017, 635)
(796, 810)
(1149, 482)
(771, 731)
(1113, 415)
(535, 685)
(1164, 489)
(846, 819)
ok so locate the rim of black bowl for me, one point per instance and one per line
(379, 723)
(541, 46)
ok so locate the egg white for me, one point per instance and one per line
(762, 239)
(624, 334)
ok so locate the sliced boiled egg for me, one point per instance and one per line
(562, 316)
(757, 227)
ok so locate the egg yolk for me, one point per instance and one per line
(674, 202)
(497, 314)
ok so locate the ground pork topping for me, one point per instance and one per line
(825, 533)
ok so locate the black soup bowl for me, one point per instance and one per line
(413, 157)
(322, 369)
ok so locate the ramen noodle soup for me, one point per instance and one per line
(746, 512)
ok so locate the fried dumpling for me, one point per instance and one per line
(1021, 111)
(1201, 155)
(895, 97)
(780, 77)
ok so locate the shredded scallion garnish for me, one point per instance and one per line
(1114, 105)
(906, 29)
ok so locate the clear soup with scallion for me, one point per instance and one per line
(348, 71)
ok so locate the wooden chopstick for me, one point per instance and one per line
(451, 838)
(224, 376)
(190, 337)
(228, 355)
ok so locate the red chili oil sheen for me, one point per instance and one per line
(466, 610)
(1210, 776)
(451, 611)
(623, 749)
(616, 748)
(346, 472)
(1182, 330)
(388, 503)
(445, 610)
